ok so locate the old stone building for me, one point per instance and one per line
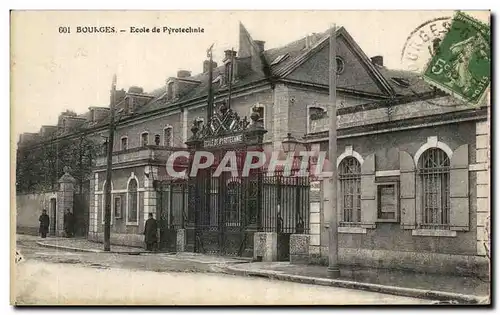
(413, 163)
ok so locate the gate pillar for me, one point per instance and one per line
(65, 197)
(265, 246)
(194, 199)
(299, 248)
(181, 240)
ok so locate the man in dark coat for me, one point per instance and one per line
(69, 223)
(44, 223)
(150, 233)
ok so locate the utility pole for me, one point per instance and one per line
(109, 169)
(210, 107)
(230, 80)
(333, 265)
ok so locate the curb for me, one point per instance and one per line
(347, 284)
(76, 249)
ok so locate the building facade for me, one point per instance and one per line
(413, 163)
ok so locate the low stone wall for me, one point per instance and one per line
(133, 240)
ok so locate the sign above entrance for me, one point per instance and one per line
(223, 141)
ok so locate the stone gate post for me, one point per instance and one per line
(65, 197)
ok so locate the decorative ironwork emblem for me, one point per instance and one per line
(222, 123)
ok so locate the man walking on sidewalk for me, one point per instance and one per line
(44, 223)
(150, 233)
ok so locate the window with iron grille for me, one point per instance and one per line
(434, 176)
(132, 210)
(350, 189)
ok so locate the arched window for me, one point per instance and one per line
(434, 177)
(157, 139)
(350, 189)
(132, 202)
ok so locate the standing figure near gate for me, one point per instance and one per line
(150, 231)
(44, 223)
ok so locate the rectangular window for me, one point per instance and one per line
(144, 139)
(132, 213)
(167, 137)
(387, 202)
(118, 207)
(124, 143)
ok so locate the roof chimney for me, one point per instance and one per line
(260, 44)
(135, 89)
(206, 65)
(183, 74)
(228, 54)
(378, 60)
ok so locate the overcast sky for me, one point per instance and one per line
(52, 72)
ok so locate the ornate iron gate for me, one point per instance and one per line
(224, 209)
(171, 211)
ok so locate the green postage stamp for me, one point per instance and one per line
(461, 66)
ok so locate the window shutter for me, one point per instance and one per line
(459, 189)
(368, 192)
(407, 190)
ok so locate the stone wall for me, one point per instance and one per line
(29, 208)
(388, 244)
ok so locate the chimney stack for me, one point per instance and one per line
(378, 60)
(206, 65)
(228, 54)
(260, 44)
(135, 90)
(183, 74)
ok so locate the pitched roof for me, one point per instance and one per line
(276, 62)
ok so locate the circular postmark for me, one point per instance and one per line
(420, 47)
(423, 42)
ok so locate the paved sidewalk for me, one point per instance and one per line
(439, 287)
(84, 245)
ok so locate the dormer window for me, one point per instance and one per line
(144, 139)
(157, 140)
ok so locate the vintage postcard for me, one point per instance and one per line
(250, 157)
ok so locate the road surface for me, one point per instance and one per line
(51, 277)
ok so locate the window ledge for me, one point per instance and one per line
(351, 230)
(435, 233)
(132, 223)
